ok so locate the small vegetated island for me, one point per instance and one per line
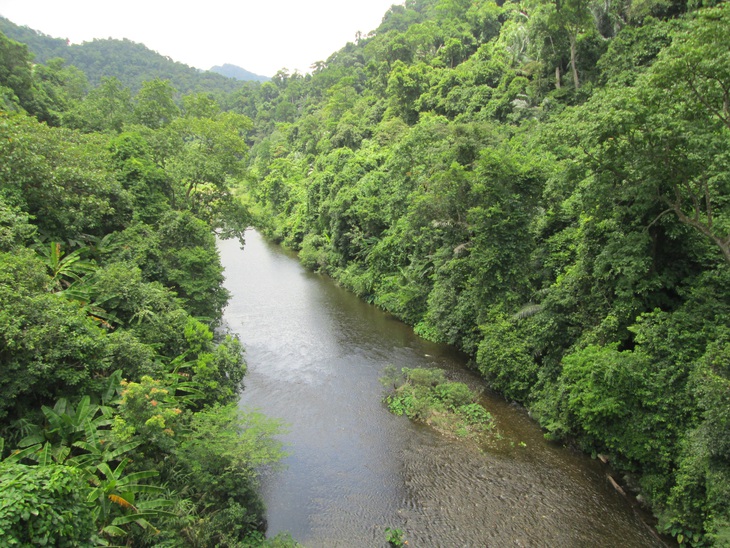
(425, 395)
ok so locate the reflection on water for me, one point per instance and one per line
(315, 353)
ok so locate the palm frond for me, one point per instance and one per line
(116, 499)
(527, 311)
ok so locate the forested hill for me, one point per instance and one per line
(545, 185)
(131, 63)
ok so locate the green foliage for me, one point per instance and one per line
(698, 500)
(313, 254)
(33, 39)
(189, 264)
(504, 358)
(107, 251)
(217, 369)
(61, 178)
(46, 92)
(425, 395)
(212, 456)
(138, 172)
(52, 346)
(15, 74)
(15, 228)
(65, 426)
(62, 86)
(147, 411)
(79, 437)
(217, 465)
(132, 63)
(605, 392)
(64, 269)
(156, 106)
(44, 505)
(541, 184)
(106, 108)
(395, 537)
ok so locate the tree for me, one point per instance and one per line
(16, 80)
(15, 228)
(190, 265)
(207, 150)
(61, 177)
(555, 22)
(405, 86)
(141, 176)
(40, 360)
(694, 73)
(200, 105)
(574, 17)
(664, 142)
(63, 86)
(106, 108)
(155, 106)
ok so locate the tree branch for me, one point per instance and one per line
(724, 119)
(656, 219)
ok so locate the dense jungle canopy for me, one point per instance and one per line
(542, 184)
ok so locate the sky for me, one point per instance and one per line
(261, 36)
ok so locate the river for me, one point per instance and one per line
(315, 353)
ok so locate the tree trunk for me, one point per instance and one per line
(573, 55)
(557, 77)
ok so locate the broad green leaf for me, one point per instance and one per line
(136, 476)
(114, 531)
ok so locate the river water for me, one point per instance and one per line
(315, 353)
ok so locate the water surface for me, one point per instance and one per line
(315, 353)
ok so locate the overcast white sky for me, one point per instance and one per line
(261, 36)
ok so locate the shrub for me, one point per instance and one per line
(44, 505)
(425, 395)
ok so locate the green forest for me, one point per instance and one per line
(119, 419)
(543, 184)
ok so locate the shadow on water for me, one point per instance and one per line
(315, 353)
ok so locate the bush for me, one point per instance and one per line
(425, 395)
(44, 505)
(313, 254)
(504, 359)
(425, 377)
(454, 394)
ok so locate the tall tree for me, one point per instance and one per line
(156, 106)
(106, 108)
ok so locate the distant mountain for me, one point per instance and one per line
(132, 63)
(233, 71)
